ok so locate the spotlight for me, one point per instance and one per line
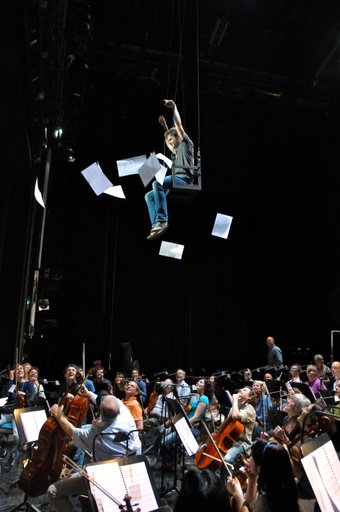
(58, 132)
(44, 305)
(70, 158)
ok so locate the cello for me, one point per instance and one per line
(210, 454)
(45, 466)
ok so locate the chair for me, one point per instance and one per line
(6, 430)
(119, 437)
(186, 192)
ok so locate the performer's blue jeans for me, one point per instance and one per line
(156, 198)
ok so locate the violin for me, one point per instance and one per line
(46, 464)
(210, 454)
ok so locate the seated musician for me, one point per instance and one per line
(202, 489)
(118, 385)
(313, 382)
(218, 401)
(38, 397)
(130, 400)
(262, 404)
(114, 418)
(100, 382)
(198, 409)
(312, 423)
(335, 409)
(270, 485)
(18, 391)
(182, 387)
(81, 378)
(71, 386)
(322, 370)
(159, 410)
(290, 427)
(295, 371)
(243, 411)
(143, 392)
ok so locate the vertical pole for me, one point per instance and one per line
(41, 243)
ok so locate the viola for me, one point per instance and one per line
(210, 453)
(46, 464)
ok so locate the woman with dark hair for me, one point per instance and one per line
(271, 485)
(202, 490)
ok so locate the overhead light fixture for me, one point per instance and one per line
(70, 158)
(44, 305)
(58, 132)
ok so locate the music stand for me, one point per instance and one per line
(29, 421)
(183, 431)
(121, 477)
(305, 390)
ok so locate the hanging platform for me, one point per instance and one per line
(185, 193)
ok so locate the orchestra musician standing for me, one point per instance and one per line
(274, 354)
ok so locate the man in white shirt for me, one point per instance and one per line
(114, 419)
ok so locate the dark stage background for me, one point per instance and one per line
(272, 165)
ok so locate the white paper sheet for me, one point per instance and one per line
(115, 191)
(116, 480)
(37, 194)
(149, 169)
(165, 159)
(171, 250)
(222, 225)
(96, 178)
(160, 175)
(322, 467)
(32, 422)
(130, 166)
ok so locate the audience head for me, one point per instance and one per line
(271, 462)
(202, 490)
(311, 372)
(247, 376)
(180, 375)
(318, 360)
(336, 369)
(295, 403)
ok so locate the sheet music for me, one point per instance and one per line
(186, 436)
(322, 467)
(31, 423)
(119, 480)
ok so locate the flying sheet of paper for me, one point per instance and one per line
(130, 166)
(171, 250)
(222, 225)
(149, 169)
(96, 178)
(115, 191)
(37, 194)
(160, 175)
(3, 401)
(165, 159)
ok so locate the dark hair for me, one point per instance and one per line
(276, 478)
(171, 131)
(202, 490)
